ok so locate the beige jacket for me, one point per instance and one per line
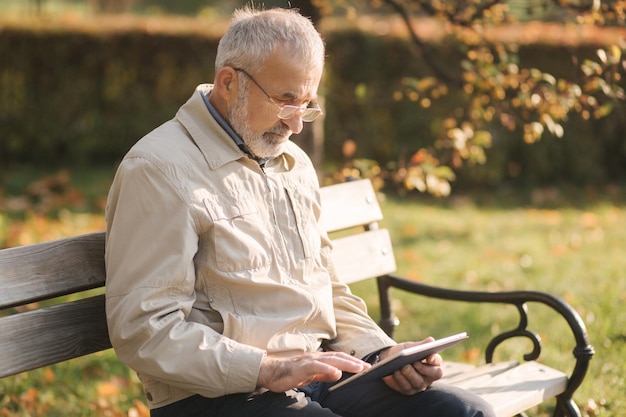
(213, 262)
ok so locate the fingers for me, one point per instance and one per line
(328, 366)
(282, 374)
(401, 346)
(434, 360)
(407, 381)
(415, 378)
(341, 361)
(430, 373)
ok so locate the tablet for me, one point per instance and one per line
(404, 357)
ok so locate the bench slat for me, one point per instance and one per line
(452, 369)
(471, 376)
(523, 387)
(348, 205)
(53, 334)
(51, 269)
(363, 256)
(512, 390)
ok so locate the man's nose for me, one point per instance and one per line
(295, 123)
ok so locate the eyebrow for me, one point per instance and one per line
(289, 96)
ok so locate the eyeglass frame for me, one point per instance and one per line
(314, 112)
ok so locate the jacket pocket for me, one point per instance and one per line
(239, 237)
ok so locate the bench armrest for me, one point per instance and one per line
(583, 351)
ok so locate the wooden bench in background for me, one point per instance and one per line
(31, 339)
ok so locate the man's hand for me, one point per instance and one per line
(416, 377)
(282, 374)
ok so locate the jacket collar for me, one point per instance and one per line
(216, 140)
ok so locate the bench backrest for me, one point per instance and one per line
(361, 250)
(32, 337)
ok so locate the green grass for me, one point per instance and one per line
(573, 249)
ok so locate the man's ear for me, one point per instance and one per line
(225, 85)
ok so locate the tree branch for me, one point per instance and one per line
(441, 72)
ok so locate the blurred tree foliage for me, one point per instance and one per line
(76, 91)
(492, 88)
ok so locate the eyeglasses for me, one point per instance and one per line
(287, 111)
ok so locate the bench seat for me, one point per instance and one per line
(510, 387)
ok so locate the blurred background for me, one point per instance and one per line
(495, 132)
(469, 94)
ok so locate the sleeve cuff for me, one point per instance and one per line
(374, 357)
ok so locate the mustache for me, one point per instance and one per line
(277, 135)
(280, 130)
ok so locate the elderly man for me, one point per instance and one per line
(220, 290)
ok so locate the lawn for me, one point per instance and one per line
(567, 243)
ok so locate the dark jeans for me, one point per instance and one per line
(370, 399)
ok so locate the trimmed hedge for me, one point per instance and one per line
(72, 97)
(83, 95)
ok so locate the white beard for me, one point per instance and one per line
(268, 144)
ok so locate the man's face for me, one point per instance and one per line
(255, 117)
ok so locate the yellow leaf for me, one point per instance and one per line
(30, 396)
(471, 355)
(616, 52)
(141, 408)
(48, 375)
(108, 389)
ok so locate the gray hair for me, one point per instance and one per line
(254, 35)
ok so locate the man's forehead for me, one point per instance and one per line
(290, 79)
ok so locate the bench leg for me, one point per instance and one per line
(566, 407)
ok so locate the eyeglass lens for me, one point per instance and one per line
(307, 114)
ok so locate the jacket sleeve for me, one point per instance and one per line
(150, 290)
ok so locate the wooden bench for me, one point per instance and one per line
(31, 339)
